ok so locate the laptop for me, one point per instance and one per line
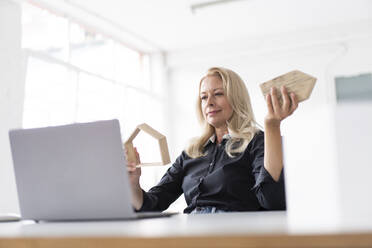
(73, 172)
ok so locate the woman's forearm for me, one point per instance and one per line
(137, 197)
(273, 160)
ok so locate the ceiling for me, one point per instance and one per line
(171, 25)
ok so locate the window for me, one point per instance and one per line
(77, 75)
(44, 31)
(354, 88)
(51, 94)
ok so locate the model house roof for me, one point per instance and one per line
(162, 140)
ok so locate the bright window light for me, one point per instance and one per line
(77, 75)
(50, 94)
(45, 32)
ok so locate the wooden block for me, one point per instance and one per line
(150, 131)
(131, 154)
(149, 164)
(164, 150)
(295, 81)
(162, 140)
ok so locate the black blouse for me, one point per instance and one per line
(240, 183)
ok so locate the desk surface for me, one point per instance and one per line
(263, 229)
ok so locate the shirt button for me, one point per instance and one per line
(210, 167)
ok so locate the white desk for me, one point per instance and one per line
(256, 229)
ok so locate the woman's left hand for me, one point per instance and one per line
(276, 112)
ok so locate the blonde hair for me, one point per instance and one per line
(241, 126)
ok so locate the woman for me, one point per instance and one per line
(232, 166)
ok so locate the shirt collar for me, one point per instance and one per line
(212, 139)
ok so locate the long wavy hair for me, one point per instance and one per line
(241, 126)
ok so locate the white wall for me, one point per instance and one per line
(11, 97)
(323, 53)
(328, 179)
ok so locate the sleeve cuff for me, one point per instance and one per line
(145, 203)
(265, 177)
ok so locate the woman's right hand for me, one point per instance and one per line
(134, 171)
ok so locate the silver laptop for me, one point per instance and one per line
(73, 172)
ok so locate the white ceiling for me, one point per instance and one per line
(170, 24)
